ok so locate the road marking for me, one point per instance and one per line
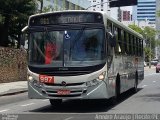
(27, 104)
(45, 100)
(154, 81)
(144, 85)
(68, 118)
(4, 110)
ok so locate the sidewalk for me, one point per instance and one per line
(13, 88)
(147, 68)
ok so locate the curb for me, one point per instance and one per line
(13, 93)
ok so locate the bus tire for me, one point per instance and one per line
(136, 82)
(118, 87)
(55, 102)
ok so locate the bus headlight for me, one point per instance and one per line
(92, 83)
(30, 77)
(96, 81)
(102, 76)
(34, 82)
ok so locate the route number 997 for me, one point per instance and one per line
(46, 79)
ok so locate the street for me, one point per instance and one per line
(145, 101)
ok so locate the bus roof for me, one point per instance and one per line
(105, 14)
(124, 26)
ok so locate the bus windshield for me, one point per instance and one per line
(67, 48)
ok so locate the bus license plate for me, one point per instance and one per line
(63, 92)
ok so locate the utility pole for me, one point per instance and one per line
(150, 53)
(119, 14)
(41, 7)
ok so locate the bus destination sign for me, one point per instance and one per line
(72, 19)
(65, 18)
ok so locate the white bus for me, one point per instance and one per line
(81, 55)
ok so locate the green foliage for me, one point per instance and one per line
(148, 53)
(158, 13)
(48, 8)
(14, 16)
(149, 32)
(45, 8)
(136, 28)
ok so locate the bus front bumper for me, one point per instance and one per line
(98, 91)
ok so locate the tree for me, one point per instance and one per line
(45, 8)
(136, 28)
(158, 13)
(13, 17)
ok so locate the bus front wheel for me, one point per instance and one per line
(55, 102)
(115, 98)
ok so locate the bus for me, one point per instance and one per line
(81, 55)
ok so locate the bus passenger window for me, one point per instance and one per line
(116, 35)
(120, 43)
(109, 26)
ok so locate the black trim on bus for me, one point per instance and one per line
(64, 26)
(60, 84)
(65, 71)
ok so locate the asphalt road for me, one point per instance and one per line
(145, 101)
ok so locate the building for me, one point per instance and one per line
(145, 9)
(103, 5)
(158, 28)
(141, 24)
(59, 5)
(99, 5)
(126, 16)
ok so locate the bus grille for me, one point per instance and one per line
(75, 89)
(73, 93)
(69, 84)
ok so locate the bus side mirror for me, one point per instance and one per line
(111, 39)
(22, 40)
(23, 37)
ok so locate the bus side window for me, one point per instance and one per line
(141, 47)
(109, 26)
(134, 44)
(116, 36)
(125, 42)
(131, 44)
(119, 41)
(110, 48)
